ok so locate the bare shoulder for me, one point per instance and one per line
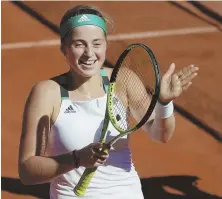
(45, 89)
(49, 90)
(44, 95)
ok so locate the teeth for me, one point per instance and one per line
(87, 62)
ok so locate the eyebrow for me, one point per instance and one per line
(81, 40)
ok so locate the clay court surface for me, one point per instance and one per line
(190, 165)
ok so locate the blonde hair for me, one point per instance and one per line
(84, 9)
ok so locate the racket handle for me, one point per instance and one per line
(80, 188)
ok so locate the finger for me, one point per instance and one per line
(100, 159)
(170, 71)
(181, 72)
(98, 145)
(186, 71)
(102, 147)
(101, 154)
(95, 159)
(188, 79)
(185, 87)
(97, 164)
(106, 146)
(194, 68)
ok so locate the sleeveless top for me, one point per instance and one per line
(78, 124)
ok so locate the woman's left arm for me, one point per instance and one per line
(161, 125)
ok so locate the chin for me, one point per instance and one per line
(88, 72)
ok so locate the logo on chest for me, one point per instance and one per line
(70, 110)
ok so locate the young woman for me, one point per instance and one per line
(63, 117)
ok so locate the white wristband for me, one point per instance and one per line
(164, 111)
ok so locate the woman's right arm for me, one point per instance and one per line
(33, 168)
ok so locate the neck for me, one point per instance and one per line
(84, 84)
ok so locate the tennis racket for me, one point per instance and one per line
(132, 95)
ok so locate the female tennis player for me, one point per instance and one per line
(63, 117)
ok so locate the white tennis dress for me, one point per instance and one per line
(79, 123)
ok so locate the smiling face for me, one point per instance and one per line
(85, 50)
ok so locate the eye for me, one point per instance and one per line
(78, 45)
(97, 44)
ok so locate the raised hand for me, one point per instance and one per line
(173, 85)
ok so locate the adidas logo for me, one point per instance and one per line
(70, 110)
(83, 18)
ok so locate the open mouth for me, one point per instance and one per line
(87, 63)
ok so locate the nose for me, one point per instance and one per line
(88, 51)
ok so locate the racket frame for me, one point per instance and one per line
(111, 92)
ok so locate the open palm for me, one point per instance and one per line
(173, 85)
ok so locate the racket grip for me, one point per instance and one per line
(80, 188)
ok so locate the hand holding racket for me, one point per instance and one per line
(91, 155)
(131, 98)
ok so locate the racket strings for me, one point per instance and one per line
(121, 101)
(134, 88)
(144, 75)
(139, 72)
(137, 68)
